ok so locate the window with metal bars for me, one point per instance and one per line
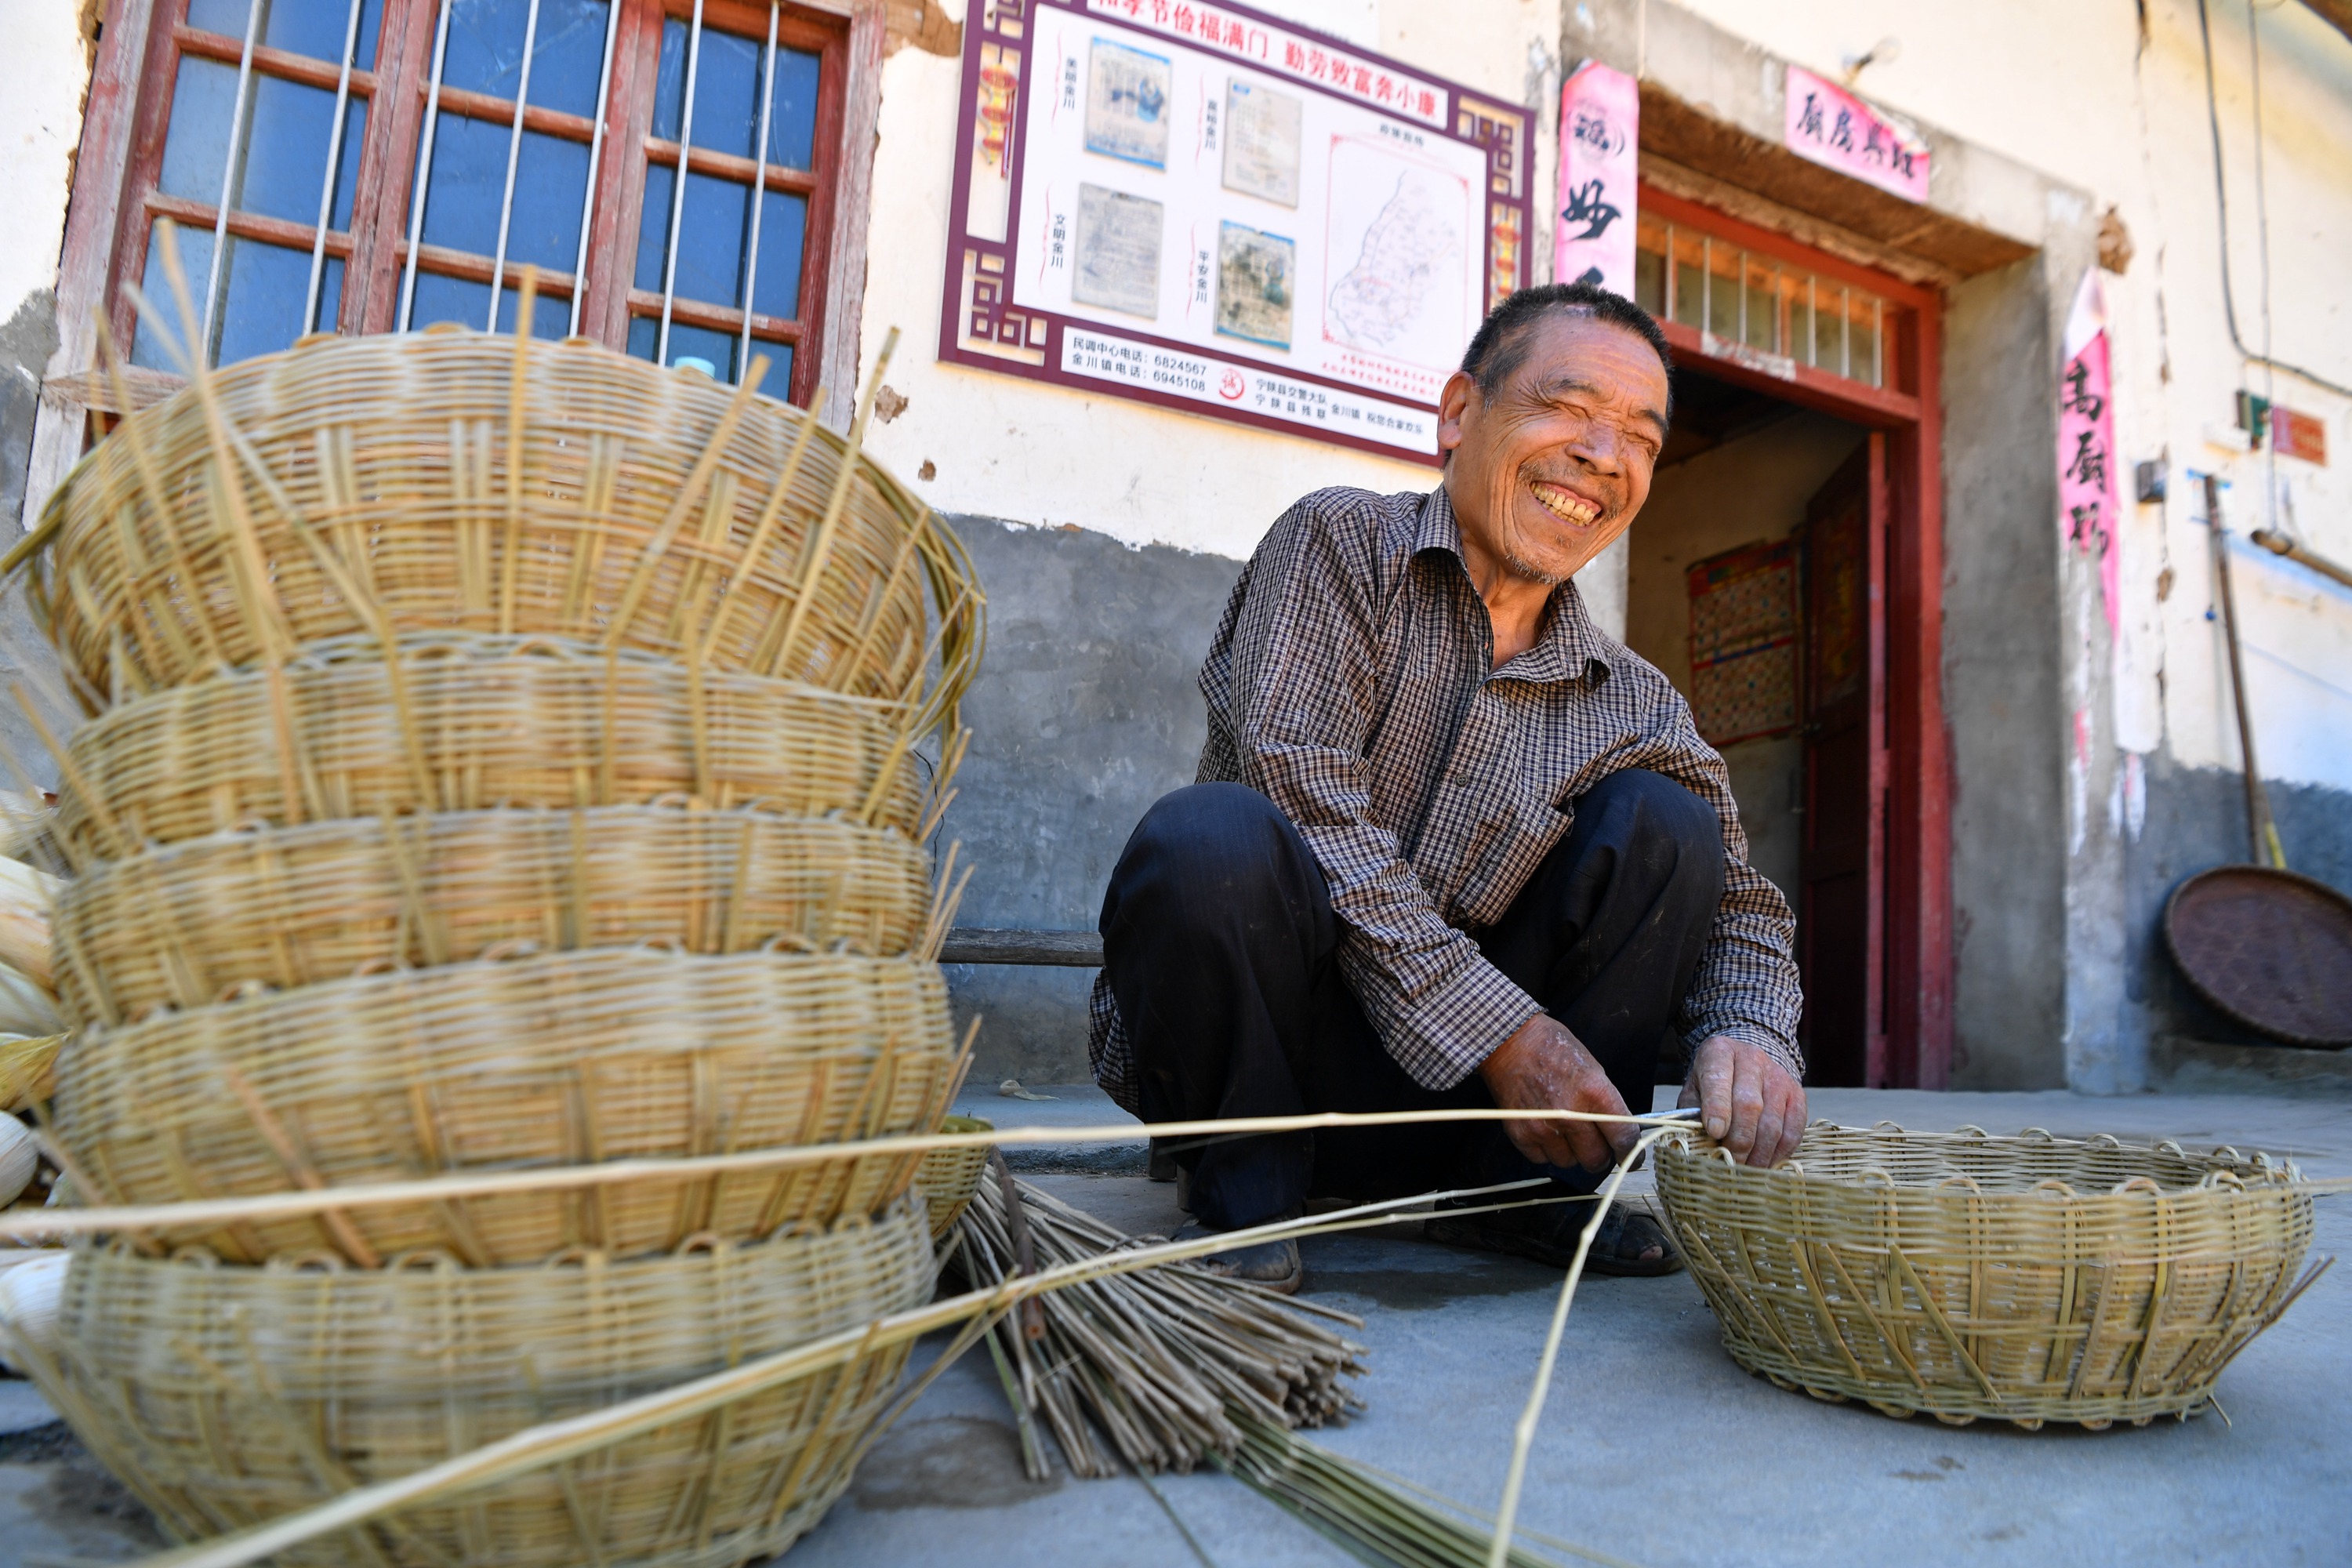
(376, 165)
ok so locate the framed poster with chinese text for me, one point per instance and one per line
(1203, 207)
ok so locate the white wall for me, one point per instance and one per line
(1027, 453)
(41, 86)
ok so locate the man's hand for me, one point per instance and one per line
(1543, 1066)
(1751, 1104)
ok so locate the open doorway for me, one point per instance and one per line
(1755, 582)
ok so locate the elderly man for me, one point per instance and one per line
(1451, 845)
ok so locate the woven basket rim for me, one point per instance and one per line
(2227, 1170)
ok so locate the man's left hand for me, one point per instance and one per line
(1751, 1104)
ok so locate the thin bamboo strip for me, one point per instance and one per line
(551, 1061)
(184, 924)
(226, 1396)
(2030, 1279)
(536, 721)
(210, 525)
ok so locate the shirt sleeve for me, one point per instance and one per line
(1300, 706)
(1747, 987)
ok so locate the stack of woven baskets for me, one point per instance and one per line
(502, 757)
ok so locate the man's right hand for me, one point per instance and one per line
(1543, 1066)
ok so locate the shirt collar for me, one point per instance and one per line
(1569, 646)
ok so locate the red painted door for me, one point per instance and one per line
(1841, 914)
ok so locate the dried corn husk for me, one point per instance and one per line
(26, 895)
(28, 1070)
(26, 1006)
(29, 1294)
(19, 1156)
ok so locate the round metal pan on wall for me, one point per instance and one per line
(2270, 949)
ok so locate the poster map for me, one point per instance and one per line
(1207, 208)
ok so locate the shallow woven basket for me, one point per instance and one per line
(452, 480)
(186, 924)
(225, 1396)
(2030, 1279)
(950, 1176)
(459, 722)
(556, 1060)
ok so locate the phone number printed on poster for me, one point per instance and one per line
(1203, 207)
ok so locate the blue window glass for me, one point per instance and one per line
(550, 318)
(196, 263)
(653, 228)
(783, 221)
(263, 289)
(440, 299)
(469, 179)
(717, 349)
(792, 115)
(196, 145)
(711, 240)
(285, 151)
(727, 92)
(313, 27)
(670, 83)
(569, 60)
(485, 50)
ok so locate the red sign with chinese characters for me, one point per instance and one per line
(2086, 440)
(2297, 434)
(1829, 126)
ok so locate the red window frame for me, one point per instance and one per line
(374, 250)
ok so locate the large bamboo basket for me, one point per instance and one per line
(2030, 1279)
(185, 924)
(224, 1397)
(451, 480)
(455, 722)
(531, 1063)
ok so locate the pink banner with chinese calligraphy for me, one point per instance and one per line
(2087, 504)
(1832, 127)
(1600, 129)
(1206, 208)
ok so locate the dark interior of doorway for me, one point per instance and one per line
(1743, 468)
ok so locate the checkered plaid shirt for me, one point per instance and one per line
(1351, 683)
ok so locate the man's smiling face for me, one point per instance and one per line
(1547, 472)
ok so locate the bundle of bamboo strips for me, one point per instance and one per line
(1161, 1363)
(504, 755)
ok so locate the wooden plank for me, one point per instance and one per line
(841, 307)
(991, 944)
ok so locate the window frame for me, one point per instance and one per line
(115, 194)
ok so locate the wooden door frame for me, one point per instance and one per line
(1918, 894)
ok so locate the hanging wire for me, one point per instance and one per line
(514, 156)
(2221, 198)
(334, 164)
(237, 132)
(677, 192)
(596, 163)
(758, 195)
(424, 169)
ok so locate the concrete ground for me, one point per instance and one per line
(1654, 1447)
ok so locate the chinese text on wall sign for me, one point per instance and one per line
(1832, 127)
(2086, 441)
(1600, 134)
(1203, 207)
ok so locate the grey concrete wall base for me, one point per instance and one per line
(1085, 711)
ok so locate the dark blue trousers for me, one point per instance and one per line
(1220, 943)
